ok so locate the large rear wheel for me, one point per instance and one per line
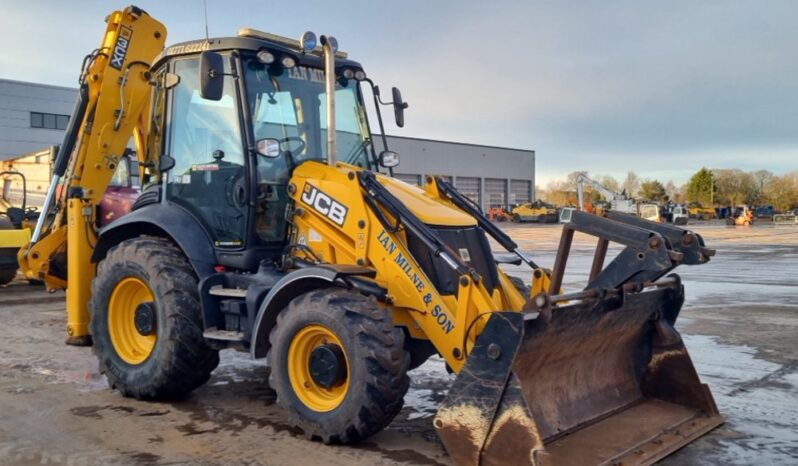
(146, 323)
(8, 256)
(338, 365)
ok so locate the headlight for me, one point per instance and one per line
(348, 73)
(360, 75)
(288, 61)
(265, 57)
(308, 41)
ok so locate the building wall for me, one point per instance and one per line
(17, 101)
(489, 175)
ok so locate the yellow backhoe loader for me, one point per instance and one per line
(269, 224)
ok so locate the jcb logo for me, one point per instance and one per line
(324, 204)
(120, 49)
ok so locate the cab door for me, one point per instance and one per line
(209, 177)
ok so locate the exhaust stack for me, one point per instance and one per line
(330, 46)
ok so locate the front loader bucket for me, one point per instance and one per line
(601, 381)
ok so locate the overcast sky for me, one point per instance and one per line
(662, 88)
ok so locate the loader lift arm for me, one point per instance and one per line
(113, 99)
(484, 222)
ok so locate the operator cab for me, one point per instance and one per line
(227, 158)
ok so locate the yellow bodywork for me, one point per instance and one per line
(312, 394)
(133, 347)
(118, 105)
(529, 213)
(362, 240)
(14, 238)
(706, 213)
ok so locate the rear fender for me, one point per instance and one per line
(166, 221)
(289, 287)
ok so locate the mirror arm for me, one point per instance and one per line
(214, 74)
(375, 92)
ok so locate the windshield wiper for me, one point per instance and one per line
(356, 150)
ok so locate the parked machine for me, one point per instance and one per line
(538, 211)
(15, 224)
(698, 212)
(677, 214)
(267, 225)
(740, 216)
(649, 211)
(497, 213)
(619, 202)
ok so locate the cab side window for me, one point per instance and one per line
(208, 177)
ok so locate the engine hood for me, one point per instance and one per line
(428, 209)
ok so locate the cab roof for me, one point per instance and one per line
(252, 40)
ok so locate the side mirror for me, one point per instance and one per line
(211, 75)
(268, 147)
(389, 159)
(165, 163)
(399, 107)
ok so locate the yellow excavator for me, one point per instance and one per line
(269, 223)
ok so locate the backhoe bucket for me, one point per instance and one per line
(605, 380)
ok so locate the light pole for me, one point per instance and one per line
(711, 189)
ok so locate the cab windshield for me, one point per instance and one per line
(290, 105)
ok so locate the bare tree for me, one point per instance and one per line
(631, 184)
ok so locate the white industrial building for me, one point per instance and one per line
(34, 116)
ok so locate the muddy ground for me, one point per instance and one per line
(740, 323)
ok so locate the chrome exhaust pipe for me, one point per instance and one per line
(330, 46)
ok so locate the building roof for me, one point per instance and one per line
(442, 141)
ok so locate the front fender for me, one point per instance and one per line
(289, 287)
(165, 220)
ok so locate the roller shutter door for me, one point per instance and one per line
(520, 191)
(408, 178)
(469, 187)
(495, 192)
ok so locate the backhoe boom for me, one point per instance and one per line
(113, 99)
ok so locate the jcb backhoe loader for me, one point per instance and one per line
(268, 224)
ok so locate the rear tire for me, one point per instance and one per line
(376, 366)
(178, 359)
(7, 274)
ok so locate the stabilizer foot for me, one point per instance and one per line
(83, 340)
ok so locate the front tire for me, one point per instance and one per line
(361, 391)
(146, 323)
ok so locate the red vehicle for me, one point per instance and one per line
(122, 192)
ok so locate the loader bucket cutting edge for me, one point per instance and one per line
(606, 381)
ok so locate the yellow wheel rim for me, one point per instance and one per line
(310, 393)
(130, 345)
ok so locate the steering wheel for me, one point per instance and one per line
(235, 190)
(298, 150)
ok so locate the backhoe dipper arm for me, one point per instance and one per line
(115, 92)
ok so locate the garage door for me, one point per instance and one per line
(408, 178)
(469, 187)
(495, 191)
(520, 191)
